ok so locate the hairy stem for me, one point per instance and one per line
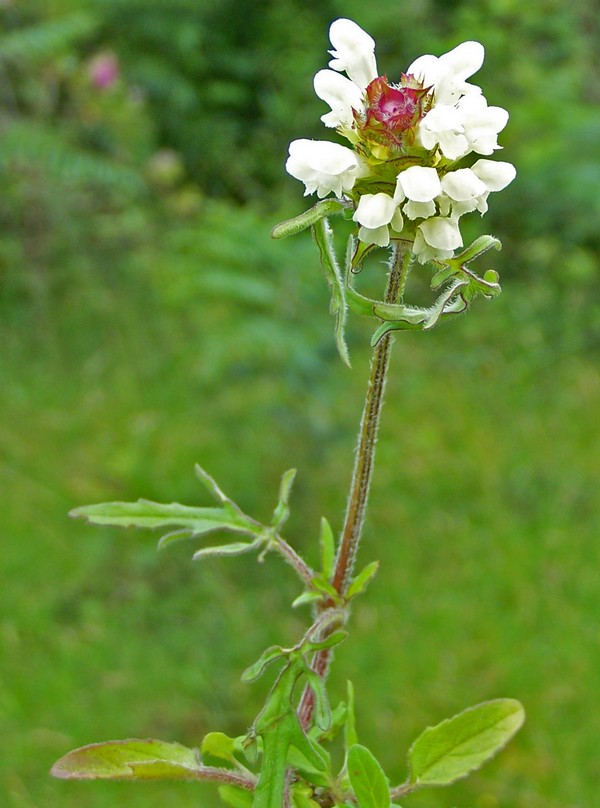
(367, 437)
(305, 573)
(364, 463)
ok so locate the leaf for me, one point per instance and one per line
(282, 511)
(368, 781)
(327, 207)
(451, 750)
(322, 711)
(307, 597)
(302, 796)
(335, 638)
(146, 514)
(257, 669)
(323, 236)
(218, 746)
(236, 797)
(327, 543)
(362, 580)
(232, 549)
(131, 759)
(350, 735)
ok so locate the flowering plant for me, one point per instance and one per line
(412, 170)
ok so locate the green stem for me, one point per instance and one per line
(363, 468)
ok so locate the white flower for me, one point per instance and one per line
(353, 52)
(437, 238)
(342, 95)
(495, 174)
(462, 184)
(374, 213)
(322, 166)
(447, 73)
(443, 125)
(481, 124)
(418, 183)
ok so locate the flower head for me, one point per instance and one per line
(410, 172)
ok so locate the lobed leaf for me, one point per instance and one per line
(144, 513)
(451, 750)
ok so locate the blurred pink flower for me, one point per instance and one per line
(103, 70)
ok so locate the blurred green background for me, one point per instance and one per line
(147, 322)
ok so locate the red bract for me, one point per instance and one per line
(392, 112)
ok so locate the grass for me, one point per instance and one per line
(485, 516)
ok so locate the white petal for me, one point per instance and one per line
(375, 210)
(462, 185)
(419, 183)
(376, 235)
(443, 125)
(419, 210)
(322, 166)
(426, 69)
(443, 118)
(452, 145)
(441, 233)
(460, 208)
(353, 52)
(397, 222)
(342, 95)
(426, 252)
(463, 60)
(495, 174)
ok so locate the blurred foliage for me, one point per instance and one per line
(147, 322)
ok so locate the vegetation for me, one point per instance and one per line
(144, 325)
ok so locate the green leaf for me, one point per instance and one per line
(217, 747)
(327, 543)
(322, 711)
(368, 781)
(335, 638)
(282, 511)
(302, 796)
(131, 759)
(257, 669)
(323, 236)
(236, 797)
(232, 549)
(327, 207)
(451, 750)
(350, 735)
(362, 580)
(307, 597)
(146, 514)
